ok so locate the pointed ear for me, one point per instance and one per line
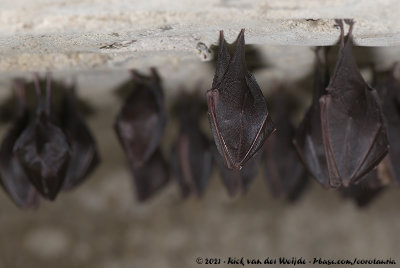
(222, 60)
(237, 65)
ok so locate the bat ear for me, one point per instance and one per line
(237, 66)
(222, 60)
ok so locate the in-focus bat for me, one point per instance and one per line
(353, 133)
(191, 153)
(152, 176)
(237, 181)
(84, 156)
(366, 191)
(389, 90)
(308, 140)
(43, 149)
(13, 177)
(142, 119)
(237, 109)
(284, 171)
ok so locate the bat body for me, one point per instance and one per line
(142, 119)
(43, 149)
(191, 156)
(84, 156)
(284, 171)
(13, 177)
(308, 140)
(353, 133)
(237, 109)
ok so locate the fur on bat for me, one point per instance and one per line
(151, 177)
(237, 109)
(42, 148)
(353, 132)
(237, 181)
(283, 169)
(84, 155)
(142, 119)
(191, 154)
(308, 138)
(13, 177)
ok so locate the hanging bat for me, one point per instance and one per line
(13, 177)
(353, 133)
(191, 154)
(237, 109)
(308, 140)
(43, 149)
(284, 171)
(142, 119)
(388, 90)
(152, 176)
(237, 181)
(84, 156)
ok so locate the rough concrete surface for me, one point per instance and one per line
(100, 224)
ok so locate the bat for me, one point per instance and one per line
(84, 155)
(237, 109)
(191, 155)
(237, 181)
(388, 91)
(152, 176)
(283, 169)
(13, 177)
(142, 119)
(42, 148)
(308, 138)
(353, 132)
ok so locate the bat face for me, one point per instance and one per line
(151, 177)
(308, 140)
(140, 123)
(43, 149)
(237, 109)
(353, 134)
(284, 172)
(84, 156)
(13, 177)
(191, 156)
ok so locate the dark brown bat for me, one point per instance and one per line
(142, 119)
(84, 156)
(43, 149)
(388, 90)
(237, 109)
(284, 171)
(353, 133)
(308, 140)
(366, 191)
(152, 176)
(237, 181)
(191, 154)
(13, 177)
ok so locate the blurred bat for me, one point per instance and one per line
(284, 171)
(13, 177)
(84, 156)
(152, 176)
(308, 140)
(353, 133)
(191, 154)
(237, 109)
(43, 149)
(237, 181)
(142, 119)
